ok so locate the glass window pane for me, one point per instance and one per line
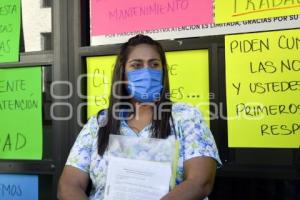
(36, 25)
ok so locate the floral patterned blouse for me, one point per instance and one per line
(195, 139)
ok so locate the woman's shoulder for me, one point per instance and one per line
(181, 106)
(102, 118)
(96, 121)
(184, 110)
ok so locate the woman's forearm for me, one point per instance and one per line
(188, 190)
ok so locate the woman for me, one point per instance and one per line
(144, 100)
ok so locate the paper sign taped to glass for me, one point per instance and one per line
(140, 168)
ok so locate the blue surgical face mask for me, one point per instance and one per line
(145, 84)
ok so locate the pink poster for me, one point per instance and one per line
(119, 16)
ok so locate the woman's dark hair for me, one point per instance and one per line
(160, 125)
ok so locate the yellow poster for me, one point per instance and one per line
(99, 76)
(188, 74)
(242, 10)
(189, 78)
(263, 89)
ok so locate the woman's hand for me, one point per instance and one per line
(199, 175)
(72, 184)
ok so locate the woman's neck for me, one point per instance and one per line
(143, 111)
(141, 117)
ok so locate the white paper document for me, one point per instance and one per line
(130, 179)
